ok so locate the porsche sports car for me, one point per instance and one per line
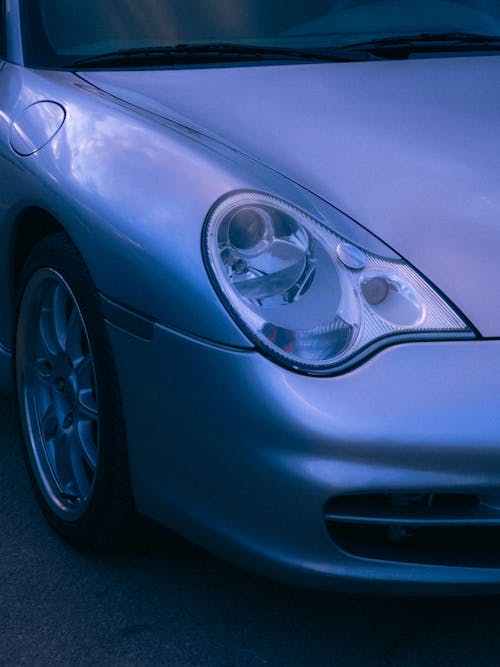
(249, 279)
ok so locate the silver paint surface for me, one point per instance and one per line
(242, 455)
(406, 148)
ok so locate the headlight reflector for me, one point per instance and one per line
(308, 297)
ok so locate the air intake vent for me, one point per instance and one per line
(451, 529)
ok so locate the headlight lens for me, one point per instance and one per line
(308, 297)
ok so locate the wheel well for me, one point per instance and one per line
(32, 225)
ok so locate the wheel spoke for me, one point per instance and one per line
(49, 423)
(74, 453)
(42, 386)
(46, 340)
(87, 405)
(88, 408)
(80, 471)
(63, 465)
(87, 442)
(83, 370)
(43, 370)
(60, 304)
(73, 345)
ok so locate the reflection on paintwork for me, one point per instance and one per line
(154, 166)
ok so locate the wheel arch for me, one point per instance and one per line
(29, 227)
(18, 236)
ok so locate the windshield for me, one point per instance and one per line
(60, 32)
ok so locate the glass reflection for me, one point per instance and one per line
(58, 29)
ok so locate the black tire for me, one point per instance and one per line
(69, 399)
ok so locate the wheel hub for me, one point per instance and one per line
(65, 399)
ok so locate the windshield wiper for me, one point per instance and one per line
(210, 52)
(429, 41)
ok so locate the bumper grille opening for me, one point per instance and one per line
(430, 528)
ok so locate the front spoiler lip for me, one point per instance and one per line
(250, 475)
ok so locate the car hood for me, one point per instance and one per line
(409, 149)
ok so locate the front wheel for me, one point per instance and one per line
(69, 399)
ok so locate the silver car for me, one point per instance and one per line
(249, 279)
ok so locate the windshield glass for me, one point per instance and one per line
(59, 32)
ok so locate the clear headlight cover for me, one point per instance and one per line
(306, 296)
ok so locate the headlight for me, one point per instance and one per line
(306, 296)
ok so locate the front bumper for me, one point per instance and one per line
(243, 456)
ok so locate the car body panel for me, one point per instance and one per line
(423, 127)
(251, 474)
(88, 160)
(58, 178)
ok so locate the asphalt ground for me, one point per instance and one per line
(165, 602)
